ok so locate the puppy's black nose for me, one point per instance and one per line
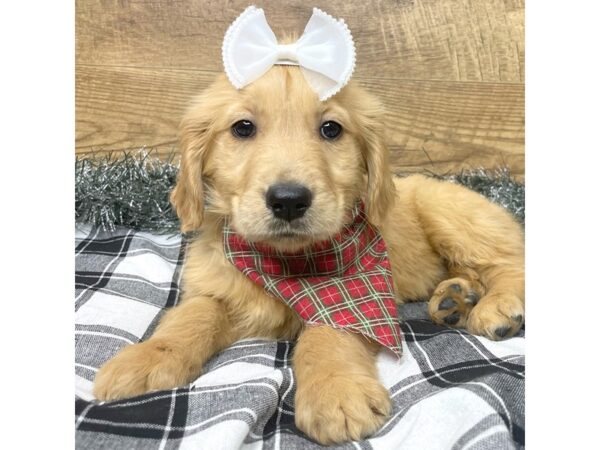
(288, 201)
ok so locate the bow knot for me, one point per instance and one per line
(287, 54)
(325, 51)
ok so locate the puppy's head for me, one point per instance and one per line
(284, 167)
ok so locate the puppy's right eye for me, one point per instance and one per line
(243, 129)
(330, 130)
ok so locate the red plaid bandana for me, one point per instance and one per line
(344, 282)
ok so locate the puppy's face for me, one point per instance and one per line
(282, 165)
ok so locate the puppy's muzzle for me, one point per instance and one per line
(288, 201)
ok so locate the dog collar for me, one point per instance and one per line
(344, 282)
(325, 51)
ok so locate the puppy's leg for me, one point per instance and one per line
(339, 397)
(484, 249)
(187, 336)
(500, 313)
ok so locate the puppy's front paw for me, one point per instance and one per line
(497, 316)
(342, 408)
(453, 301)
(141, 368)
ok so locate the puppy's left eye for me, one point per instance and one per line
(243, 129)
(330, 130)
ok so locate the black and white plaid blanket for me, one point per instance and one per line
(450, 390)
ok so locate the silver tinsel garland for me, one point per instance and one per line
(131, 189)
(497, 185)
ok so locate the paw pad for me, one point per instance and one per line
(502, 331)
(447, 303)
(472, 298)
(453, 318)
(452, 302)
(456, 288)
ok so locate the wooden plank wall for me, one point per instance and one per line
(450, 72)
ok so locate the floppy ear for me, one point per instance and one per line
(380, 184)
(195, 136)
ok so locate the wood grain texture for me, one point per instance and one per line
(437, 126)
(450, 72)
(461, 40)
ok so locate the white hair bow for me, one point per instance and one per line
(325, 51)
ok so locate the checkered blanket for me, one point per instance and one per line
(450, 390)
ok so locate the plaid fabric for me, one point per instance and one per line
(450, 390)
(345, 282)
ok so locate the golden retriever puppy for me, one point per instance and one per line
(445, 243)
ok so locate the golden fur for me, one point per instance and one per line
(444, 241)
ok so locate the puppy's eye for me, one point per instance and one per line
(243, 129)
(330, 130)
